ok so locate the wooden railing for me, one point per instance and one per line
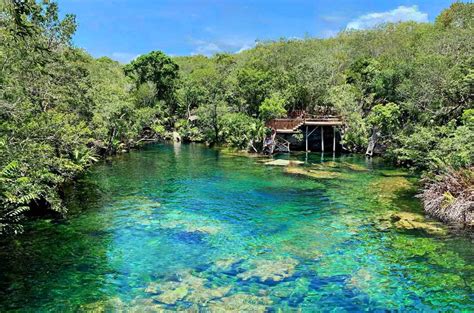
(284, 123)
(292, 123)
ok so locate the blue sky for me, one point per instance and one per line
(124, 29)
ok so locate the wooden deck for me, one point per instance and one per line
(300, 122)
(291, 125)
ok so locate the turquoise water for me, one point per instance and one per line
(190, 228)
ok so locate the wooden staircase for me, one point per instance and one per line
(286, 126)
(281, 145)
(275, 144)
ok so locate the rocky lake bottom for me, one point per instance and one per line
(185, 227)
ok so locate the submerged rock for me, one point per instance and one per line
(407, 220)
(392, 190)
(240, 303)
(142, 305)
(341, 165)
(170, 296)
(389, 186)
(355, 167)
(109, 305)
(225, 264)
(242, 153)
(280, 162)
(312, 173)
(189, 288)
(270, 270)
(394, 173)
(294, 246)
(291, 289)
(191, 226)
(152, 288)
(361, 279)
(327, 164)
(204, 295)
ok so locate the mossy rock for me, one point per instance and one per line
(318, 174)
(388, 186)
(394, 173)
(413, 221)
(242, 153)
(355, 167)
(109, 305)
(327, 164)
(280, 162)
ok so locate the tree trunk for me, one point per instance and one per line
(372, 142)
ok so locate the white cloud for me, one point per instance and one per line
(227, 45)
(124, 57)
(328, 33)
(207, 48)
(400, 14)
(246, 46)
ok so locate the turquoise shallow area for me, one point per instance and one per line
(186, 227)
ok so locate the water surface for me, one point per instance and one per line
(186, 227)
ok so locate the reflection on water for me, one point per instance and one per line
(185, 227)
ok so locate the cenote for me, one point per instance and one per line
(184, 227)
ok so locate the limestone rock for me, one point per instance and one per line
(241, 303)
(191, 226)
(170, 296)
(270, 270)
(407, 220)
(360, 279)
(280, 162)
(189, 288)
(354, 167)
(204, 295)
(225, 264)
(109, 305)
(312, 173)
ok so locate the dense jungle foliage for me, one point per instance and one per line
(61, 109)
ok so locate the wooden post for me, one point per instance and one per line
(322, 138)
(306, 135)
(334, 139)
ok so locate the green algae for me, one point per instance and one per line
(318, 174)
(409, 221)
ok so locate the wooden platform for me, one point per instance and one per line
(292, 125)
(300, 122)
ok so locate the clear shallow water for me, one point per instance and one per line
(186, 227)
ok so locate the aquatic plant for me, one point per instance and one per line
(450, 196)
